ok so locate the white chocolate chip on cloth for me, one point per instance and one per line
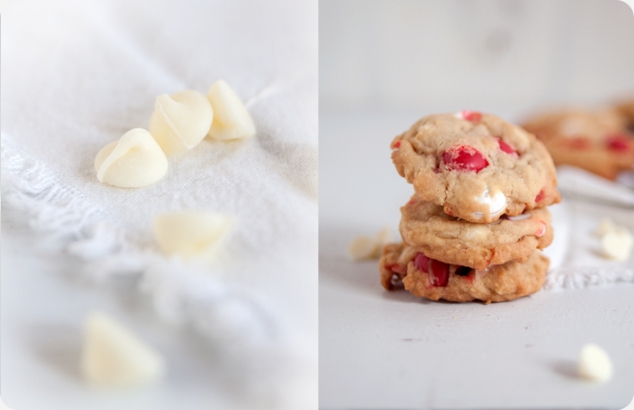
(616, 241)
(113, 356)
(232, 120)
(478, 167)
(192, 235)
(180, 121)
(133, 161)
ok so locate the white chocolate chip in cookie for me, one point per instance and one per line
(231, 118)
(191, 235)
(113, 356)
(519, 217)
(594, 363)
(180, 121)
(496, 202)
(475, 232)
(617, 244)
(571, 127)
(134, 161)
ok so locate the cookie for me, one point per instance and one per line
(403, 266)
(478, 167)
(597, 141)
(427, 228)
(627, 111)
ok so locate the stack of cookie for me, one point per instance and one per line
(473, 228)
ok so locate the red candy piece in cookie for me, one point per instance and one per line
(506, 147)
(578, 143)
(472, 116)
(397, 144)
(438, 273)
(396, 268)
(542, 230)
(540, 196)
(464, 158)
(422, 262)
(618, 142)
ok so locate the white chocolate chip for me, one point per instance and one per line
(572, 126)
(475, 232)
(496, 203)
(520, 217)
(383, 237)
(362, 247)
(617, 244)
(134, 161)
(180, 121)
(606, 225)
(191, 234)
(594, 363)
(114, 356)
(231, 118)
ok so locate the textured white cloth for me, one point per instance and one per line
(77, 75)
(577, 259)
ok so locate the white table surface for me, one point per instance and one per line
(390, 350)
(43, 304)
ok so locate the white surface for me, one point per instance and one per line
(44, 304)
(381, 350)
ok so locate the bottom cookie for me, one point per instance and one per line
(404, 266)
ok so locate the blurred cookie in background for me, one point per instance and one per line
(596, 140)
(626, 108)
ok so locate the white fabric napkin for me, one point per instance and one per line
(77, 75)
(577, 259)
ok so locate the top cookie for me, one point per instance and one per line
(477, 166)
(595, 140)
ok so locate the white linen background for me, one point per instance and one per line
(77, 75)
(518, 55)
(389, 59)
